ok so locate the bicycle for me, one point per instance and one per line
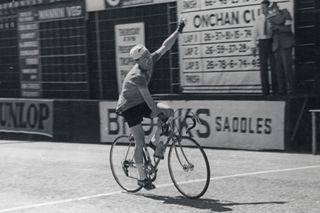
(187, 162)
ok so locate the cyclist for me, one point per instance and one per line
(136, 102)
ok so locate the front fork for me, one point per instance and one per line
(187, 166)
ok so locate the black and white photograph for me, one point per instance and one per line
(181, 106)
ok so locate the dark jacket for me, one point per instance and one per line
(282, 34)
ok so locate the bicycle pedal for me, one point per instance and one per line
(160, 157)
(185, 168)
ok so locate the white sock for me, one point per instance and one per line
(141, 172)
(156, 137)
(153, 139)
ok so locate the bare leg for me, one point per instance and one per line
(138, 135)
(168, 112)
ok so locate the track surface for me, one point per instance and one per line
(43, 177)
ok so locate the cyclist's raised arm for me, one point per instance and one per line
(169, 42)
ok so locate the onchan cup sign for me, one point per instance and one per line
(26, 116)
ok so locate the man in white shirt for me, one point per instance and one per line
(262, 38)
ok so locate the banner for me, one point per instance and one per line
(26, 116)
(95, 5)
(252, 125)
(12, 4)
(216, 45)
(127, 36)
(132, 3)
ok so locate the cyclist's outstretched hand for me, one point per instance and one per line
(181, 25)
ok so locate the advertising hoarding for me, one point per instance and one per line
(26, 116)
(253, 125)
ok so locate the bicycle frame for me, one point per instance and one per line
(174, 136)
(179, 156)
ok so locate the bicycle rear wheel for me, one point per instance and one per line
(189, 168)
(122, 163)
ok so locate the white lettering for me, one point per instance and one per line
(30, 94)
(25, 19)
(29, 71)
(51, 13)
(74, 11)
(29, 52)
(28, 35)
(30, 86)
(23, 27)
(25, 14)
(28, 44)
(32, 61)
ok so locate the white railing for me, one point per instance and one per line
(314, 130)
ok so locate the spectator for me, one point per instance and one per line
(282, 45)
(262, 39)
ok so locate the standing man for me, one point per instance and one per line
(262, 39)
(135, 101)
(283, 42)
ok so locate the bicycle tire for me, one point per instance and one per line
(192, 183)
(122, 150)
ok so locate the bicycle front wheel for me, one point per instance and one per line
(189, 167)
(122, 163)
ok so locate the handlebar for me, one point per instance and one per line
(195, 120)
(193, 124)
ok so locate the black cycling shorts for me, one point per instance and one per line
(135, 115)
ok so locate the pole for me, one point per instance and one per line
(314, 133)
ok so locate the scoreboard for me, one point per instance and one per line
(28, 43)
(51, 47)
(216, 48)
(9, 68)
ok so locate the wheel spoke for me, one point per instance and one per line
(189, 167)
(122, 164)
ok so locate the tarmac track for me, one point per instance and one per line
(41, 177)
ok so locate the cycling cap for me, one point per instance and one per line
(137, 51)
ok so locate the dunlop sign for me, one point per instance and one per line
(26, 116)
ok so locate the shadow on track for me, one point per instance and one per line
(203, 204)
